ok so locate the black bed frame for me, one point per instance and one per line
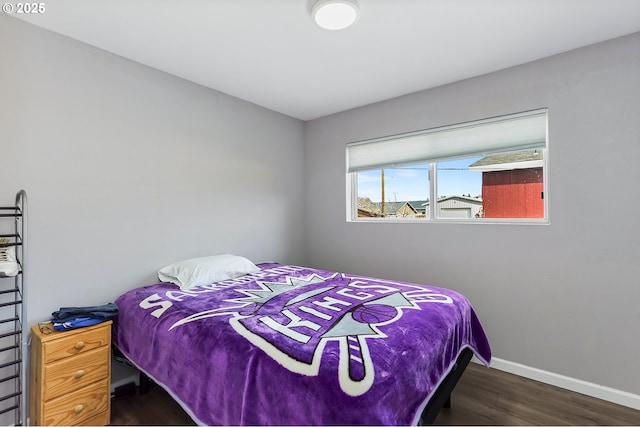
(440, 399)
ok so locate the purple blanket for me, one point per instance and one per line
(291, 345)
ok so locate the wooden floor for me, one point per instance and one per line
(482, 397)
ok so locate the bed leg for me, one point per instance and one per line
(447, 404)
(145, 382)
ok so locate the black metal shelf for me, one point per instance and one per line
(13, 381)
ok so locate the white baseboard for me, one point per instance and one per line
(609, 394)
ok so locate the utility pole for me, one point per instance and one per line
(383, 214)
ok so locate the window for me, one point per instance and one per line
(491, 170)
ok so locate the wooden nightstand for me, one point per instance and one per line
(71, 376)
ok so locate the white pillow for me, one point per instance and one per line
(206, 270)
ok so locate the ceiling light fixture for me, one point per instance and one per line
(335, 14)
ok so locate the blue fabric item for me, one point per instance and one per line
(76, 322)
(104, 312)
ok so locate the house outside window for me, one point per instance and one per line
(490, 170)
(512, 184)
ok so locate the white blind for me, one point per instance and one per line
(519, 131)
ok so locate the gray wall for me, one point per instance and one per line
(563, 297)
(128, 169)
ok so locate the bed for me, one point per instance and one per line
(292, 345)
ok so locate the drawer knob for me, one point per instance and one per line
(78, 409)
(79, 374)
(79, 345)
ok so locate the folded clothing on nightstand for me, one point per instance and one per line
(78, 317)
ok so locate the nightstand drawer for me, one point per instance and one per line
(76, 407)
(72, 373)
(75, 344)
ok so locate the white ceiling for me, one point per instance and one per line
(269, 52)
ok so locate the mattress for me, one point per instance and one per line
(293, 345)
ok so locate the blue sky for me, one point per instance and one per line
(412, 182)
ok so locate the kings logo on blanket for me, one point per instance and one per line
(292, 320)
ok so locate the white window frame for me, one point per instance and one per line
(414, 140)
